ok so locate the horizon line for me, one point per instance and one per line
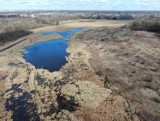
(84, 10)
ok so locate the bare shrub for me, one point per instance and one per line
(146, 25)
(11, 36)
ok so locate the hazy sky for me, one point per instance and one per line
(79, 4)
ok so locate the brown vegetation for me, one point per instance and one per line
(146, 25)
(126, 61)
(129, 63)
(16, 24)
(14, 28)
(11, 36)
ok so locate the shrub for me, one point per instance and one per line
(18, 24)
(11, 36)
(146, 25)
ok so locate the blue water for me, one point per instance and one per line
(50, 55)
(66, 34)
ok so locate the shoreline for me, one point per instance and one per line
(45, 90)
(65, 25)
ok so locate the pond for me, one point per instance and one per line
(50, 55)
(65, 34)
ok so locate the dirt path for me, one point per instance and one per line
(11, 45)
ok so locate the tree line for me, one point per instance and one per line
(146, 25)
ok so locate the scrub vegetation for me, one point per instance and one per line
(15, 24)
(146, 25)
(12, 35)
(112, 71)
(14, 28)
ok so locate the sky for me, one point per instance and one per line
(80, 5)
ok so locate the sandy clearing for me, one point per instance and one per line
(93, 23)
(64, 25)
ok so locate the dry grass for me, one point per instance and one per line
(94, 23)
(130, 61)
